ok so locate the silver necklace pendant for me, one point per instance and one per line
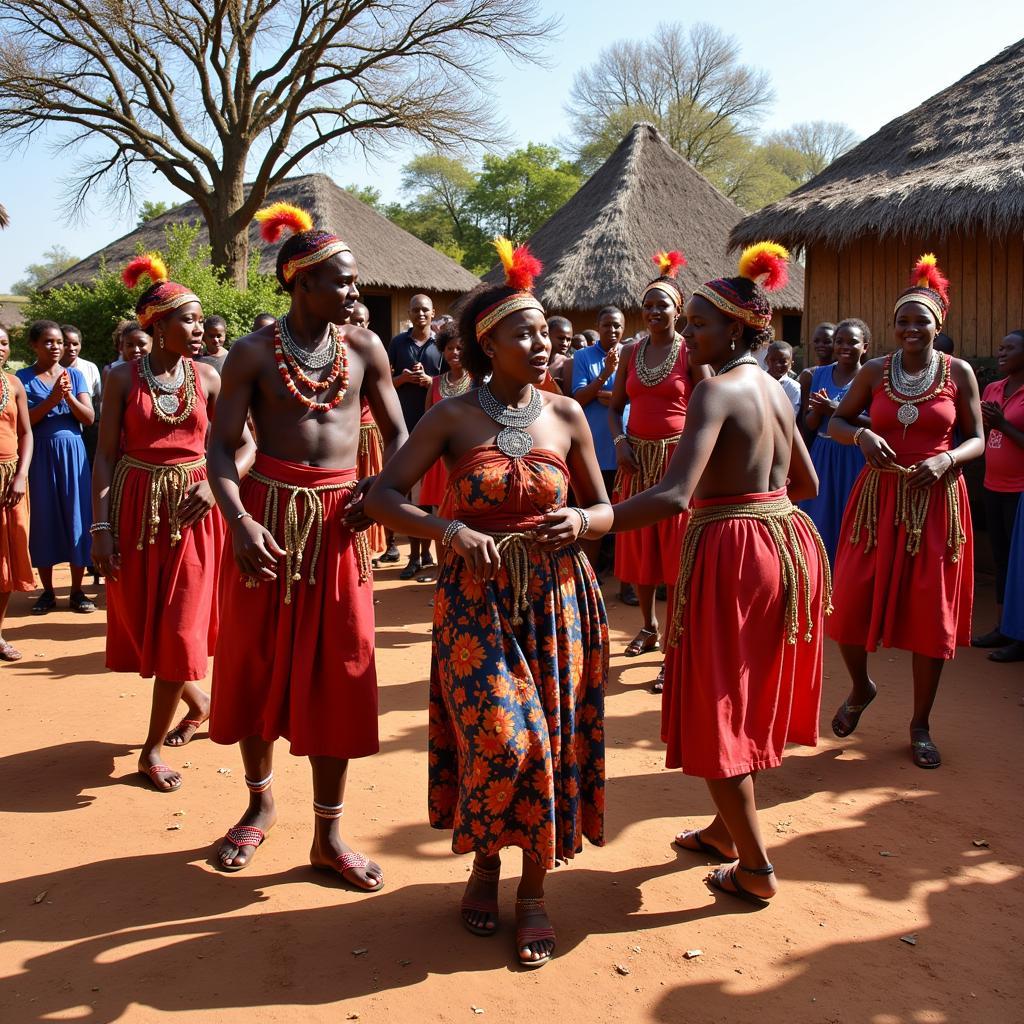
(513, 442)
(907, 414)
(168, 404)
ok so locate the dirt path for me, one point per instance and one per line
(110, 910)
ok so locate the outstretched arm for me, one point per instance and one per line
(105, 555)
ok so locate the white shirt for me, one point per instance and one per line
(792, 388)
(91, 373)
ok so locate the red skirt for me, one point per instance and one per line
(435, 483)
(886, 596)
(295, 657)
(648, 556)
(736, 691)
(162, 608)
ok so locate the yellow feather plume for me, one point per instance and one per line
(506, 251)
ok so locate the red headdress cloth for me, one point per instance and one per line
(162, 300)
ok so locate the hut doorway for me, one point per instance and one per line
(380, 315)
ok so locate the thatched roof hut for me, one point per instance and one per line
(597, 248)
(393, 265)
(948, 176)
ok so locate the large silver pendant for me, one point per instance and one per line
(168, 404)
(513, 442)
(907, 414)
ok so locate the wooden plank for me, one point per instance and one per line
(1014, 283)
(985, 344)
(998, 318)
(953, 267)
(968, 297)
(826, 305)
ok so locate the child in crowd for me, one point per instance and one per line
(779, 363)
(215, 340)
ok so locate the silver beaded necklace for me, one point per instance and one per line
(652, 378)
(738, 361)
(514, 440)
(319, 357)
(913, 384)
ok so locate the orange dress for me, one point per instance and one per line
(369, 462)
(15, 563)
(162, 608)
(896, 588)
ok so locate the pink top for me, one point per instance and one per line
(1004, 458)
(660, 411)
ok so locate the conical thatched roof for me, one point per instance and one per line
(953, 164)
(597, 248)
(388, 256)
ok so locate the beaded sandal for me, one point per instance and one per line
(185, 723)
(646, 640)
(717, 878)
(925, 754)
(160, 769)
(852, 713)
(8, 652)
(243, 836)
(526, 936)
(489, 876)
(352, 861)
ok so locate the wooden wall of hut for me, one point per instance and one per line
(863, 279)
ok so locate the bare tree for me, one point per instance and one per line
(817, 142)
(4, 219)
(689, 82)
(207, 92)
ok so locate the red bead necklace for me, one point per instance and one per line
(339, 371)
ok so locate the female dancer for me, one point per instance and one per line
(743, 675)
(58, 478)
(1002, 409)
(837, 465)
(905, 560)
(156, 535)
(15, 457)
(657, 384)
(520, 651)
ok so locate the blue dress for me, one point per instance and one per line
(59, 483)
(837, 465)
(1013, 602)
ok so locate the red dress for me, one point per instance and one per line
(887, 595)
(369, 462)
(650, 556)
(162, 608)
(743, 668)
(435, 480)
(295, 656)
(15, 563)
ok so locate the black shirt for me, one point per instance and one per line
(403, 353)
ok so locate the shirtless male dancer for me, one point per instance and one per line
(296, 655)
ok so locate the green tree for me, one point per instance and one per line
(367, 194)
(55, 260)
(97, 307)
(442, 183)
(150, 210)
(806, 149)
(215, 94)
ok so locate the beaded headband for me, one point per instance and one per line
(929, 301)
(315, 246)
(928, 286)
(729, 307)
(328, 246)
(673, 291)
(669, 264)
(165, 298)
(493, 315)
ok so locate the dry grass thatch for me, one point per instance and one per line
(597, 248)
(4, 219)
(953, 164)
(388, 256)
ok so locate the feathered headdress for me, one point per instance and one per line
(767, 263)
(306, 248)
(155, 303)
(928, 286)
(521, 269)
(669, 264)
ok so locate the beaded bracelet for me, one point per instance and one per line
(450, 530)
(952, 459)
(584, 521)
(101, 528)
(619, 437)
(857, 433)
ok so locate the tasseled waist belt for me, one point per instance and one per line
(167, 486)
(8, 467)
(298, 528)
(778, 516)
(651, 457)
(368, 434)
(912, 505)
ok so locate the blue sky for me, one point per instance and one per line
(862, 63)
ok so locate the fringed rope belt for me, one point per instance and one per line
(167, 486)
(368, 433)
(652, 458)
(778, 517)
(8, 468)
(297, 529)
(911, 510)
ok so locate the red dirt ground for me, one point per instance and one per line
(111, 911)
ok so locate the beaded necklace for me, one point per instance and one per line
(652, 378)
(513, 440)
(5, 391)
(339, 372)
(913, 388)
(315, 360)
(738, 361)
(451, 390)
(169, 404)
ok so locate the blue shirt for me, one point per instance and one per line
(587, 365)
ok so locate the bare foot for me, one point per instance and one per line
(332, 854)
(261, 815)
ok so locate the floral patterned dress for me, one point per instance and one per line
(518, 673)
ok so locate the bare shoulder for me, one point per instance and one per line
(208, 375)
(962, 370)
(563, 406)
(362, 341)
(120, 376)
(250, 350)
(14, 383)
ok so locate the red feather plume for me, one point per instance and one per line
(277, 218)
(149, 265)
(669, 263)
(926, 274)
(521, 266)
(767, 263)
